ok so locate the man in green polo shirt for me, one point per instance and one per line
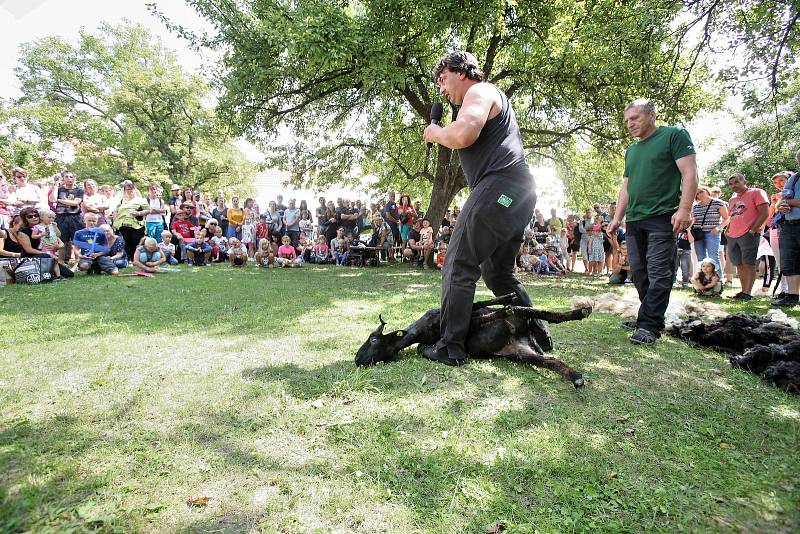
(656, 199)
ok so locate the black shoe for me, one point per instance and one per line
(643, 337)
(741, 296)
(629, 325)
(789, 301)
(779, 296)
(441, 355)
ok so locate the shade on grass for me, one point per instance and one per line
(122, 398)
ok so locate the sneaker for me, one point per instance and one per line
(643, 337)
(789, 301)
(741, 296)
(629, 325)
(779, 296)
(441, 355)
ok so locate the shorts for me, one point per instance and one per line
(742, 250)
(789, 247)
(68, 224)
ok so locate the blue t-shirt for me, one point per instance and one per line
(794, 212)
(90, 240)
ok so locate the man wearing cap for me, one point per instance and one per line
(489, 228)
(656, 197)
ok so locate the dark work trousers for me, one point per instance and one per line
(652, 249)
(485, 242)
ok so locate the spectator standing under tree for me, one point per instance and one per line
(779, 181)
(235, 219)
(67, 200)
(93, 201)
(656, 197)
(129, 218)
(392, 217)
(291, 222)
(709, 215)
(748, 208)
(27, 194)
(789, 242)
(154, 220)
(407, 216)
(489, 230)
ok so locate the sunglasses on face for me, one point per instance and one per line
(32, 216)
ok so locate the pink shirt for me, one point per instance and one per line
(743, 212)
(286, 251)
(426, 233)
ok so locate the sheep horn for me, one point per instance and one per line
(383, 324)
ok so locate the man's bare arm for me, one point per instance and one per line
(472, 117)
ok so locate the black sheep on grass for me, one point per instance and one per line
(512, 332)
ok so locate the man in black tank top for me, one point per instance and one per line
(489, 230)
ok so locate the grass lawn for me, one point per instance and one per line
(122, 398)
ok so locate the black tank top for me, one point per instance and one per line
(10, 245)
(498, 151)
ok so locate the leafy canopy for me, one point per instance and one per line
(127, 108)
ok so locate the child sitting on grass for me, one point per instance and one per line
(439, 262)
(219, 246)
(320, 252)
(287, 255)
(237, 254)
(553, 263)
(707, 282)
(147, 257)
(265, 255)
(167, 248)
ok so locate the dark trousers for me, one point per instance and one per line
(132, 236)
(294, 236)
(485, 242)
(652, 249)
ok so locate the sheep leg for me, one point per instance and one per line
(521, 351)
(551, 316)
(502, 299)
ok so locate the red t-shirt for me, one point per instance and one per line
(743, 212)
(183, 228)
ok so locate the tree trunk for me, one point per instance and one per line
(447, 182)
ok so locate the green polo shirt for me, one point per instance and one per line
(654, 180)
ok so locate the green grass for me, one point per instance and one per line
(122, 398)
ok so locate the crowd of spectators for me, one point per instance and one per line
(104, 229)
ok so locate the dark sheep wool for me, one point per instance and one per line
(756, 344)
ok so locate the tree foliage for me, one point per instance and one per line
(763, 36)
(127, 108)
(761, 148)
(352, 80)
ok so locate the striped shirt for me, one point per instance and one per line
(708, 220)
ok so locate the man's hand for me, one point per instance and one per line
(431, 134)
(681, 220)
(611, 229)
